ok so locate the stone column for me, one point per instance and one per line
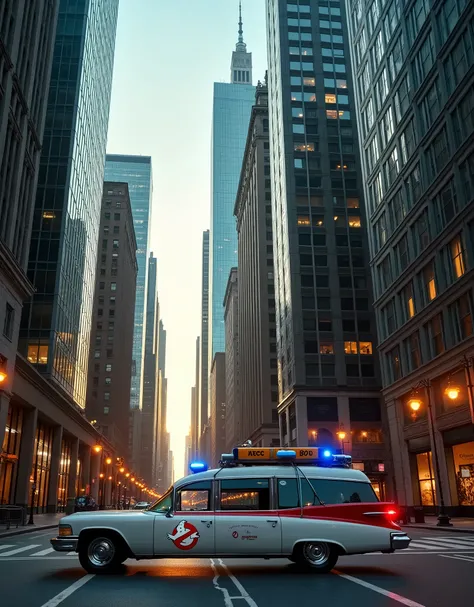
(4, 404)
(95, 471)
(86, 468)
(301, 412)
(54, 470)
(72, 477)
(25, 463)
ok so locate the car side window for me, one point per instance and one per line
(288, 493)
(328, 490)
(164, 503)
(245, 494)
(194, 497)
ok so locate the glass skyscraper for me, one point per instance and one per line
(136, 171)
(231, 114)
(56, 322)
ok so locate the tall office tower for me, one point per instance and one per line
(258, 379)
(187, 454)
(203, 410)
(56, 323)
(415, 94)
(149, 414)
(328, 372)
(27, 42)
(233, 408)
(217, 410)
(232, 104)
(112, 318)
(195, 403)
(136, 171)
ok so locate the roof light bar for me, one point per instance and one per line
(198, 467)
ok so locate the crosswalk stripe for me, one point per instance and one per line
(445, 544)
(43, 552)
(424, 546)
(467, 542)
(459, 557)
(5, 546)
(18, 550)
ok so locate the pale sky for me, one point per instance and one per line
(168, 55)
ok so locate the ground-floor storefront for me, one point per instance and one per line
(50, 453)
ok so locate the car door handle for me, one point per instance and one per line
(209, 523)
(273, 522)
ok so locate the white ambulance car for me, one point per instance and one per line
(262, 503)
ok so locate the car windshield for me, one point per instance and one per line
(163, 503)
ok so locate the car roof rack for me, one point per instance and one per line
(265, 456)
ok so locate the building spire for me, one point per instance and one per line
(241, 31)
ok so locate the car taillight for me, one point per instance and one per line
(392, 513)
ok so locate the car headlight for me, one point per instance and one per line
(65, 530)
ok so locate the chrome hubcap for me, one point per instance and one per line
(101, 551)
(316, 554)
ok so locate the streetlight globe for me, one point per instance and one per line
(414, 403)
(108, 461)
(128, 474)
(122, 470)
(341, 435)
(452, 392)
(3, 376)
(98, 448)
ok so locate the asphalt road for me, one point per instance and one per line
(437, 571)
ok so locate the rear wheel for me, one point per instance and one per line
(320, 557)
(101, 554)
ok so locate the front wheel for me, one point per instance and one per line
(100, 555)
(320, 557)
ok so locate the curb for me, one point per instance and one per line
(28, 530)
(443, 529)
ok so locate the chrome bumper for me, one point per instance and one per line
(65, 544)
(399, 541)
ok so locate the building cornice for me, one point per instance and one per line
(15, 275)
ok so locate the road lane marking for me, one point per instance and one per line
(407, 552)
(59, 598)
(227, 598)
(43, 552)
(5, 546)
(442, 543)
(425, 547)
(391, 595)
(459, 557)
(18, 550)
(35, 558)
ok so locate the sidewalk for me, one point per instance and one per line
(41, 521)
(460, 525)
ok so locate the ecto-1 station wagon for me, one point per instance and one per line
(266, 503)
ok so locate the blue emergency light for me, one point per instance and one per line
(327, 453)
(198, 467)
(284, 454)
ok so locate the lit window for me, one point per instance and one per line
(298, 163)
(113, 286)
(332, 114)
(457, 257)
(330, 98)
(106, 410)
(307, 81)
(108, 367)
(430, 281)
(37, 355)
(97, 354)
(48, 215)
(108, 381)
(411, 307)
(116, 244)
(106, 395)
(350, 347)
(304, 147)
(304, 221)
(354, 222)
(326, 348)
(365, 347)
(297, 112)
(298, 129)
(353, 203)
(341, 84)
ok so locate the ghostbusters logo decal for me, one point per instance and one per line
(185, 535)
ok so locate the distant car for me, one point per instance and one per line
(85, 503)
(261, 503)
(141, 505)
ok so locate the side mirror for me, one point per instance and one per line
(169, 512)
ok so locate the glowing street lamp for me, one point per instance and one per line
(108, 461)
(97, 448)
(122, 470)
(452, 391)
(3, 376)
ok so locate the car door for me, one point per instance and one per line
(186, 526)
(245, 522)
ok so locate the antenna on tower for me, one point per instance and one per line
(241, 31)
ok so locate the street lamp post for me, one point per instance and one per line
(414, 402)
(33, 490)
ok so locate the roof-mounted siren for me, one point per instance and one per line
(342, 461)
(227, 458)
(198, 467)
(286, 455)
